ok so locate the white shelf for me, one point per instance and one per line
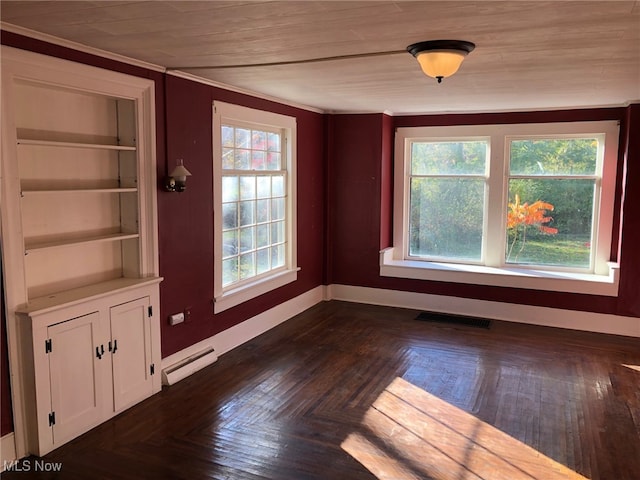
(52, 143)
(79, 190)
(114, 237)
(47, 303)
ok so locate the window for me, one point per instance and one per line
(254, 201)
(527, 205)
(447, 199)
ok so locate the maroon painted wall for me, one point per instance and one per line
(185, 220)
(359, 186)
(353, 197)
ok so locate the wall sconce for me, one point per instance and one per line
(440, 58)
(177, 180)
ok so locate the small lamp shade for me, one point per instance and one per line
(180, 173)
(177, 180)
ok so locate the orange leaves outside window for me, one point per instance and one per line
(520, 216)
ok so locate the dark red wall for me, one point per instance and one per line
(356, 228)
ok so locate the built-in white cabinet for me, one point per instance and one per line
(79, 241)
(91, 358)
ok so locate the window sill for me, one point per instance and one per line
(246, 292)
(502, 277)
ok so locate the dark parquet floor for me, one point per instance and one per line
(347, 391)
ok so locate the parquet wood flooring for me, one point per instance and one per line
(348, 391)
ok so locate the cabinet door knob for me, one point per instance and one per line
(100, 351)
(115, 346)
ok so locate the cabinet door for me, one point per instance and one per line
(76, 375)
(131, 353)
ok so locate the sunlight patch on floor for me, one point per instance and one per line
(408, 433)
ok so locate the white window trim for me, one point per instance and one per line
(394, 261)
(228, 297)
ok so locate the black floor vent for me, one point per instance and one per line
(454, 319)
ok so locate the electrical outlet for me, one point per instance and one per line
(187, 314)
(176, 318)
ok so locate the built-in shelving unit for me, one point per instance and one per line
(79, 179)
(79, 237)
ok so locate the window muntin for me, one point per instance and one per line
(447, 199)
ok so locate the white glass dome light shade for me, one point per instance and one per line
(440, 58)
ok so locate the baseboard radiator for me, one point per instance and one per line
(186, 367)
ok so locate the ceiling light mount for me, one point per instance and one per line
(440, 58)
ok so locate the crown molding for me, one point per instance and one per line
(224, 86)
(45, 37)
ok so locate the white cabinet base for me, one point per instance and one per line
(90, 358)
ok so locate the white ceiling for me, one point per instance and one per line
(530, 55)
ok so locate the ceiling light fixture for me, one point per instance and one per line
(440, 58)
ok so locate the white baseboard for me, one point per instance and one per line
(512, 312)
(245, 331)
(7, 450)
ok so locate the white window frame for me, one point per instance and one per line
(235, 294)
(601, 280)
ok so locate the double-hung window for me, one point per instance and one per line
(254, 203)
(526, 205)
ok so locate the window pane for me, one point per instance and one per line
(277, 209)
(429, 158)
(258, 160)
(277, 232)
(230, 191)
(264, 186)
(262, 260)
(227, 136)
(247, 265)
(229, 271)
(446, 217)
(229, 215)
(242, 159)
(247, 239)
(228, 159)
(273, 142)
(243, 138)
(229, 243)
(550, 222)
(262, 236)
(262, 211)
(273, 161)
(247, 188)
(277, 256)
(277, 186)
(573, 156)
(258, 140)
(247, 216)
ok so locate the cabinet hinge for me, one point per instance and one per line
(47, 346)
(150, 311)
(152, 368)
(52, 419)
